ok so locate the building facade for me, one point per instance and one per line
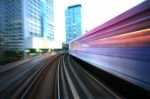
(73, 22)
(27, 24)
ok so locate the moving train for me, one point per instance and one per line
(120, 46)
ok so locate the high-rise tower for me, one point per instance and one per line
(27, 24)
(73, 22)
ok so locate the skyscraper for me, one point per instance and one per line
(73, 22)
(28, 24)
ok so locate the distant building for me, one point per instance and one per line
(28, 24)
(73, 22)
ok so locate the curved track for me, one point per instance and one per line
(14, 78)
(52, 77)
(63, 78)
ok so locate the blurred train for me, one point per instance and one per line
(120, 46)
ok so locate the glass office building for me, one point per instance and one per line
(11, 23)
(73, 22)
(26, 24)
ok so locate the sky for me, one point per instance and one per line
(94, 13)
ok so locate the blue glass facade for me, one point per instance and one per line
(23, 20)
(73, 22)
(11, 23)
(41, 19)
